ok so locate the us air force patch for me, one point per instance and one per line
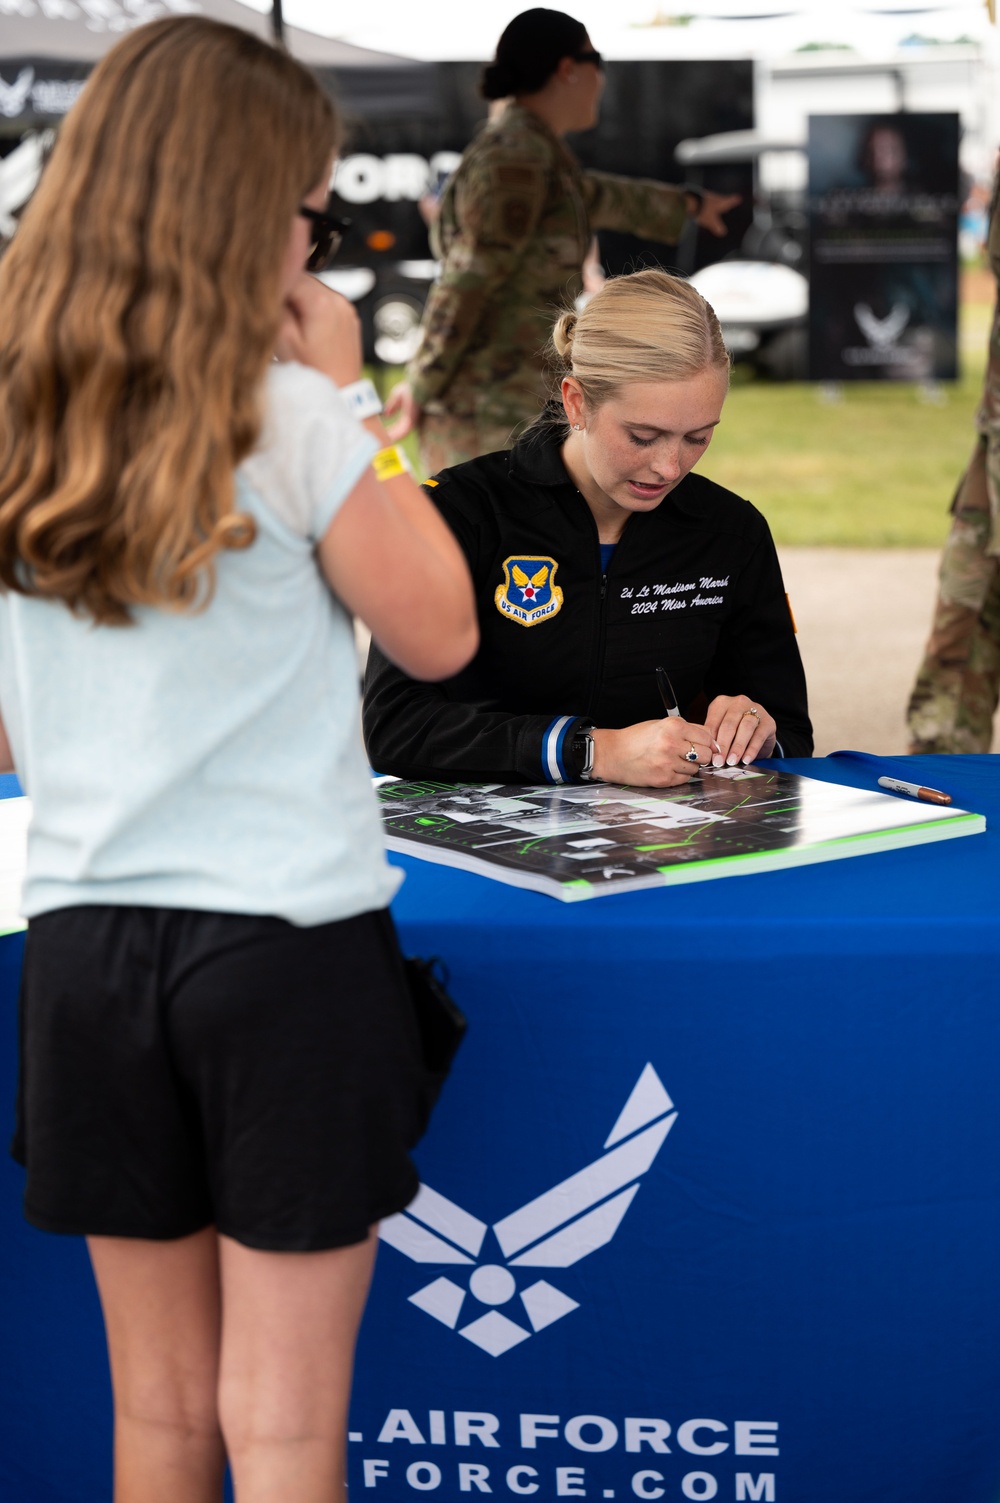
(528, 594)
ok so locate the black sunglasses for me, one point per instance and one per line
(589, 57)
(328, 231)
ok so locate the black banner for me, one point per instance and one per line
(883, 216)
(37, 91)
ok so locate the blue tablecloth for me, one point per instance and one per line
(793, 1224)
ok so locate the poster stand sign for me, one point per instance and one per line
(883, 219)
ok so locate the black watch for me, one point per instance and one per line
(582, 753)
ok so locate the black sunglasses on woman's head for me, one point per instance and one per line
(328, 231)
(589, 57)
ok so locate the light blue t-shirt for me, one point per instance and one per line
(210, 760)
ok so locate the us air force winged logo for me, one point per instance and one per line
(555, 1230)
(882, 333)
(528, 593)
(14, 96)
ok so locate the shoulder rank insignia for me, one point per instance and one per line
(528, 593)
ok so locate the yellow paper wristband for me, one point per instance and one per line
(390, 462)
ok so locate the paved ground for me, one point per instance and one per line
(862, 615)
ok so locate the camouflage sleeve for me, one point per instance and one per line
(637, 204)
(988, 414)
(497, 206)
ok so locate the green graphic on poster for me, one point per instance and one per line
(587, 840)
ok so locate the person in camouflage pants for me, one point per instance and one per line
(955, 696)
(514, 228)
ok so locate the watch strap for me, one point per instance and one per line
(362, 398)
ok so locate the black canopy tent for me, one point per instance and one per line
(48, 47)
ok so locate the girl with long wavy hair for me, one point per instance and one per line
(219, 1066)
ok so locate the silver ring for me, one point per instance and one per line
(692, 755)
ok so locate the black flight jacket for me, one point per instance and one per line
(693, 585)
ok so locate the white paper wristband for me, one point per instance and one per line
(362, 398)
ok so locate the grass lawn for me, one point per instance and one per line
(876, 469)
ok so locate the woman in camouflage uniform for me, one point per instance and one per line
(515, 225)
(955, 696)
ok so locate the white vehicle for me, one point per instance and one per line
(760, 293)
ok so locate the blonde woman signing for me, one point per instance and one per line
(598, 557)
(220, 1072)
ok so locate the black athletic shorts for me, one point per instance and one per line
(181, 1069)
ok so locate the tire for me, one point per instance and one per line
(785, 357)
(396, 319)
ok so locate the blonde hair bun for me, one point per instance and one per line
(648, 326)
(562, 334)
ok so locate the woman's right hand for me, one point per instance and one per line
(322, 329)
(400, 404)
(652, 754)
(709, 214)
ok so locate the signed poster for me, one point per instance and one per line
(576, 841)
